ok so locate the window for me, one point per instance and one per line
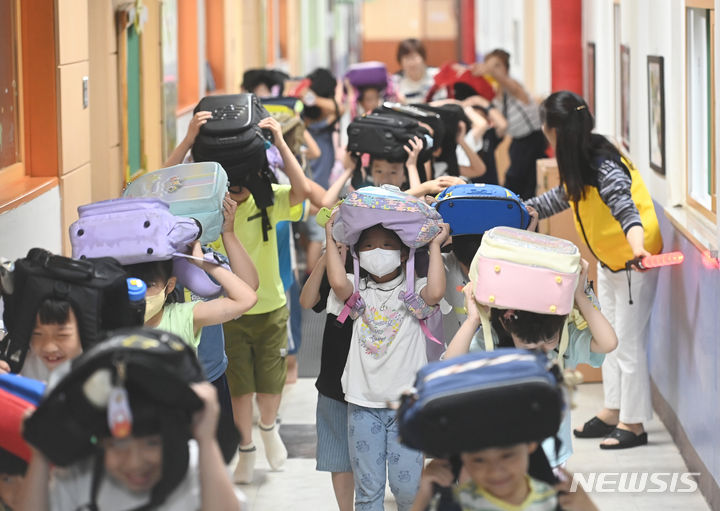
(700, 41)
(10, 122)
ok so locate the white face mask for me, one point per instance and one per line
(380, 262)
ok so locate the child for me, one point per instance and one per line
(157, 466)
(54, 341)
(388, 347)
(187, 319)
(590, 337)
(332, 433)
(256, 343)
(12, 475)
(499, 481)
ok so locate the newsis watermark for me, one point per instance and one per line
(636, 482)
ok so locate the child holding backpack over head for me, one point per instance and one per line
(589, 334)
(388, 346)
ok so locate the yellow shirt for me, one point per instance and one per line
(248, 229)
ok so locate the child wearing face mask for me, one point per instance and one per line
(387, 348)
(590, 337)
(187, 319)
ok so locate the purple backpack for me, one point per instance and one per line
(132, 231)
(414, 221)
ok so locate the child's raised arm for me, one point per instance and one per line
(413, 148)
(436, 472)
(434, 291)
(34, 493)
(460, 343)
(178, 154)
(240, 262)
(604, 339)
(310, 294)
(216, 489)
(240, 296)
(300, 188)
(337, 277)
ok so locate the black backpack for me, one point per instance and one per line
(233, 139)
(96, 288)
(383, 135)
(156, 368)
(432, 119)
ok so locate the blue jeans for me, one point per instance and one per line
(374, 445)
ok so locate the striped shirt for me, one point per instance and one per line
(614, 184)
(522, 118)
(542, 497)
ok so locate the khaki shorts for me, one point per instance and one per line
(256, 347)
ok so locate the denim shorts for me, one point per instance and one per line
(332, 436)
(314, 231)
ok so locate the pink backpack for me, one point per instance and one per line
(519, 269)
(414, 221)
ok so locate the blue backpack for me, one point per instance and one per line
(475, 208)
(482, 400)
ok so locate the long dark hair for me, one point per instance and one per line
(579, 151)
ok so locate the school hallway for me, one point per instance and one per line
(299, 486)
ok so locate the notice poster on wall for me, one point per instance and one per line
(625, 95)
(170, 74)
(590, 94)
(656, 113)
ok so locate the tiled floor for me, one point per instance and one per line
(300, 487)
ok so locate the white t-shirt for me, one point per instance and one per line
(388, 345)
(70, 488)
(33, 367)
(453, 304)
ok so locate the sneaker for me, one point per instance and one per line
(245, 468)
(275, 450)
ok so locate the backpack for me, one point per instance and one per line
(447, 76)
(132, 231)
(475, 208)
(432, 119)
(152, 371)
(410, 218)
(519, 269)
(383, 136)
(97, 289)
(195, 190)
(451, 115)
(233, 139)
(481, 400)
(18, 396)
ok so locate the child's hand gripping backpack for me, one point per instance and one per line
(475, 208)
(411, 218)
(132, 231)
(96, 289)
(529, 271)
(194, 190)
(18, 396)
(233, 139)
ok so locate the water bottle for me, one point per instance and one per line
(136, 294)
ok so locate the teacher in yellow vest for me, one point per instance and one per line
(615, 216)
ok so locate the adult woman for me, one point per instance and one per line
(614, 214)
(415, 78)
(523, 118)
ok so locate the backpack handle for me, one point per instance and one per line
(63, 267)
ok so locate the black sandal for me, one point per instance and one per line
(594, 428)
(626, 439)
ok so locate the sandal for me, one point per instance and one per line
(626, 439)
(594, 428)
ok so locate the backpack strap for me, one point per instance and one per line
(351, 302)
(410, 290)
(487, 328)
(564, 343)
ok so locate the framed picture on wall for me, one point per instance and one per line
(590, 97)
(625, 95)
(656, 113)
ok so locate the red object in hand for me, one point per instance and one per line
(659, 260)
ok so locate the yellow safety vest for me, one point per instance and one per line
(604, 235)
